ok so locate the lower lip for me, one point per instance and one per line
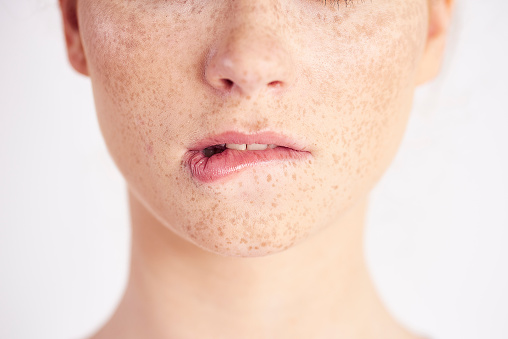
(229, 162)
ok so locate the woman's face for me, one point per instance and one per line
(338, 82)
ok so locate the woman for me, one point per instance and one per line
(249, 134)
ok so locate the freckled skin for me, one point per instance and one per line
(347, 94)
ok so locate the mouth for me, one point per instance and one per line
(218, 158)
(217, 149)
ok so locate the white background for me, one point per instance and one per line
(437, 232)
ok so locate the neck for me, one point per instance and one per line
(319, 288)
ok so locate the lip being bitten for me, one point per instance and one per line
(220, 156)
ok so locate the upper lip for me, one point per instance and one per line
(234, 137)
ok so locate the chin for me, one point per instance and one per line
(246, 237)
(240, 249)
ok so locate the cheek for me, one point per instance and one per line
(366, 92)
(138, 105)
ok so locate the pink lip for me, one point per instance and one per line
(219, 166)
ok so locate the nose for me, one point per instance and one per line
(251, 55)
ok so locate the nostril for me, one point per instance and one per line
(227, 84)
(275, 84)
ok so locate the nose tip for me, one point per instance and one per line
(249, 65)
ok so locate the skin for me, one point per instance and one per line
(276, 250)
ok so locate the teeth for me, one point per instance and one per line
(252, 147)
(240, 147)
(257, 147)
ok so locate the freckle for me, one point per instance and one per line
(240, 184)
(294, 176)
(149, 149)
(274, 205)
(269, 178)
(335, 187)
(336, 158)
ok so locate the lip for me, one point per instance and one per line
(225, 164)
